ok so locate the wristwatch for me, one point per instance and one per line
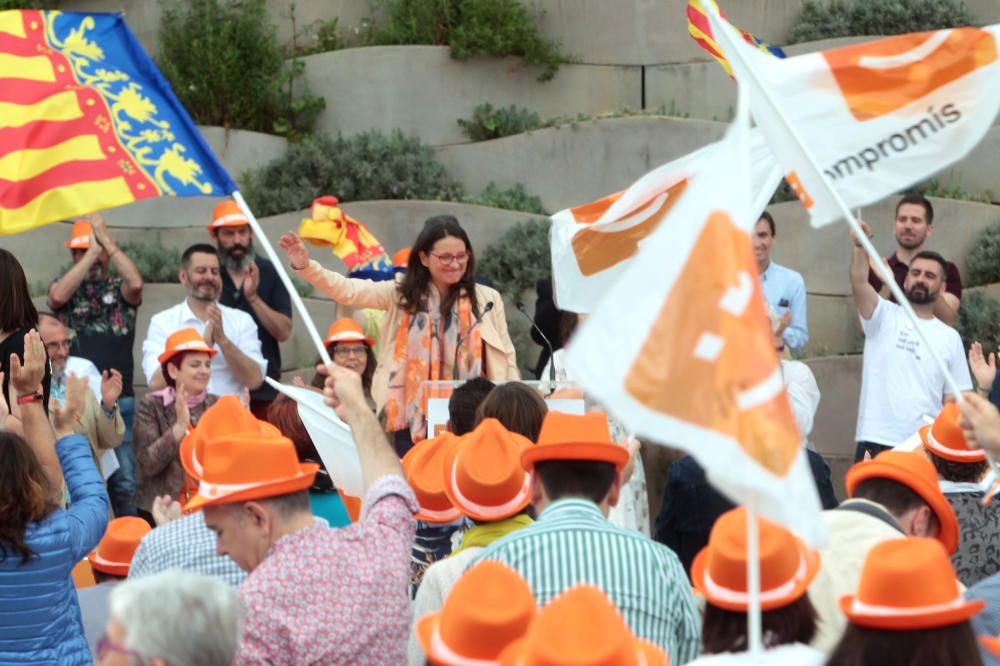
(110, 413)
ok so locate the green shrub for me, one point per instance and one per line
(154, 262)
(487, 123)
(364, 167)
(317, 37)
(223, 59)
(933, 188)
(305, 289)
(837, 18)
(518, 259)
(978, 318)
(515, 198)
(471, 28)
(983, 263)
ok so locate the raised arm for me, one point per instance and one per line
(865, 297)
(347, 291)
(241, 349)
(131, 280)
(63, 289)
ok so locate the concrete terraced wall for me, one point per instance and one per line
(839, 381)
(422, 90)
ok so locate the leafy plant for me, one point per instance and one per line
(225, 63)
(978, 318)
(363, 167)
(155, 262)
(514, 198)
(982, 266)
(317, 37)
(518, 259)
(837, 18)
(487, 123)
(933, 188)
(471, 28)
(304, 288)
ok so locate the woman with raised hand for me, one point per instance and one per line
(41, 542)
(17, 316)
(439, 324)
(163, 417)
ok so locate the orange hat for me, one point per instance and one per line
(488, 608)
(944, 437)
(114, 553)
(581, 627)
(401, 259)
(184, 340)
(719, 571)
(916, 472)
(424, 468)
(991, 643)
(80, 236)
(227, 415)
(228, 214)
(908, 584)
(483, 476)
(346, 329)
(575, 437)
(254, 464)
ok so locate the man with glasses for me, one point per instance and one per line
(250, 283)
(101, 309)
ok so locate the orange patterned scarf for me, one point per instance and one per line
(425, 350)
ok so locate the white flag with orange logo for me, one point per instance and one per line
(591, 244)
(869, 119)
(680, 349)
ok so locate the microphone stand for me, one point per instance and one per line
(548, 345)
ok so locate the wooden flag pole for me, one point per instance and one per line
(283, 274)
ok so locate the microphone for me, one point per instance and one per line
(548, 345)
(465, 336)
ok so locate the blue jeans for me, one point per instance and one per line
(121, 484)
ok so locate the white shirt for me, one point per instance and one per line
(803, 393)
(900, 382)
(794, 654)
(239, 327)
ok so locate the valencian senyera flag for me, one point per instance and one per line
(868, 120)
(680, 349)
(87, 122)
(701, 32)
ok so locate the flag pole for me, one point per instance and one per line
(755, 640)
(283, 274)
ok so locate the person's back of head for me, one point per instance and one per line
(112, 558)
(517, 406)
(465, 401)
(177, 618)
(25, 497)
(18, 310)
(949, 452)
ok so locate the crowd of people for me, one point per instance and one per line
(200, 523)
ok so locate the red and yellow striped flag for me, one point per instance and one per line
(701, 32)
(87, 122)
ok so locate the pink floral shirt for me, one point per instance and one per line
(335, 596)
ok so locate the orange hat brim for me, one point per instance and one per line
(500, 510)
(873, 469)
(348, 336)
(945, 452)
(286, 486)
(699, 571)
(114, 569)
(170, 353)
(903, 622)
(609, 453)
(78, 245)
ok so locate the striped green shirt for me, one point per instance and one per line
(572, 543)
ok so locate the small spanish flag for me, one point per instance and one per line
(701, 32)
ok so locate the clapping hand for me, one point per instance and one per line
(165, 509)
(980, 423)
(251, 282)
(111, 388)
(298, 256)
(182, 412)
(215, 333)
(984, 368)
(27, 378)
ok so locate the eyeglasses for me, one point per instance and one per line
(344, 352)
(104, 646)
(56, 346)
(459, 258)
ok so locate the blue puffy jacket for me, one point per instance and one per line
(39, 613)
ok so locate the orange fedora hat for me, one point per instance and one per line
(581, 627)
(241, 466)
(114, 553)
(228, 214)
(483, 475)
(401, 259)
(719, 571)
(346, 329)
(915, 471)
(424, 468)
(184, 340)
(80, 236)
(575, 437)
(908, 584)
(227, 415)
(488, 608)
(944, 437)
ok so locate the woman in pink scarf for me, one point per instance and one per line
(163, 417)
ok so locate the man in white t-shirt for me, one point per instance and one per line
(233, 332)
(900, 381)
